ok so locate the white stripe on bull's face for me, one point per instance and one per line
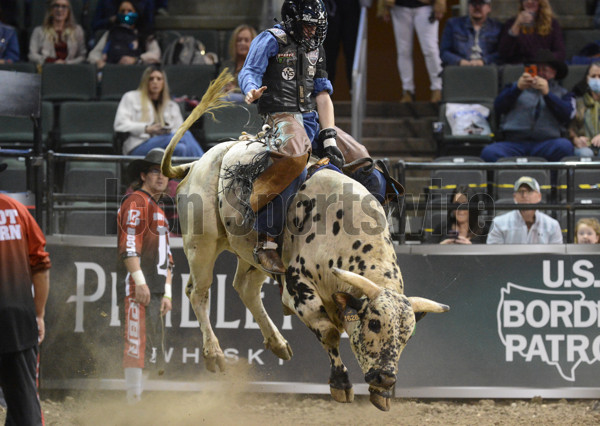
(378, 329)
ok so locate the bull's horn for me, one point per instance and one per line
(368, 287)
(420, 304)
(213, 99)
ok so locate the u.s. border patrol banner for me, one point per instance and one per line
(524, 321)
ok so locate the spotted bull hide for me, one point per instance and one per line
(341, 273)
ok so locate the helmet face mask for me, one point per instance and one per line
(305, 21)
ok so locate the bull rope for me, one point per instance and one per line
(213, 99)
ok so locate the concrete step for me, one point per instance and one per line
(391, 127)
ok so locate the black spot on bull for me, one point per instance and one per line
(356, 245)
(317, 217)
(339, 214)
(310, 238)
(297, 289)
(336, 228)
(375, 326)
(367, 248)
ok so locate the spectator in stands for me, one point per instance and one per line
(525, 226)
(106, 14)
(150, 118)
(535, 111)
(239, 45)
(59, 39)
(471, 40)
(587, 231)
(585, 127)
(124, 43)
(9, 44)
(408, 16)
(463, 225)
(343, 17)
(534, 28)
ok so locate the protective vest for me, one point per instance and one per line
(290, 77)
(122, 41)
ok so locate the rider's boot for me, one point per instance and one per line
(265, 254)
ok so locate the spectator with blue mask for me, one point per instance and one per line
(585, 127)
(471, 40)
(124, 44)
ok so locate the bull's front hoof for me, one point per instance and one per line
(380, 399)
(342, 395)
(211, 363)
(280, 347)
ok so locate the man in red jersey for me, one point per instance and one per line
(143, 242)
(23, 261)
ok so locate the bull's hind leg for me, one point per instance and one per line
(309, 308)
(201, 257)
(248, 282)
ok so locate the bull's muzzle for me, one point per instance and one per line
(380, 379)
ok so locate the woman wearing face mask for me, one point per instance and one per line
(533, 28)
(124, 43)
(150, 117)
(59, 39)
(585, 127)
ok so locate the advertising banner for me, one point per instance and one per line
(518, 321)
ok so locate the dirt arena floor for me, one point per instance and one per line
(265, 409)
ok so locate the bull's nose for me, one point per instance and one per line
(381, 379)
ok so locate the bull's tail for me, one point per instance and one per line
(212, 100)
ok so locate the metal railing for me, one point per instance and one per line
(359, 77)
(570, 206)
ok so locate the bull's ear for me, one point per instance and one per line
(346, 300)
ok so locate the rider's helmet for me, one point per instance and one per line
(296, 14)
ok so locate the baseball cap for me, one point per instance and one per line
(529, 181)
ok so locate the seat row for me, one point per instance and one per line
(82, 82)
(87, 127)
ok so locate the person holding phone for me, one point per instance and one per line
(535, 112)
(149, 117)
(463, 224)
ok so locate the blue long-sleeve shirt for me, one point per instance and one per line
(9, 44)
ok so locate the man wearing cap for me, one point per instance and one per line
(535, 113)
(143, 243)
(525, 226)
(471, 40)
(23, 261)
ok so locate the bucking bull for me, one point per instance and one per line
(342, 271)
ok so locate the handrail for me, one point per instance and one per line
(359, 77)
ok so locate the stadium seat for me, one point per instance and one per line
(90, 178)
(463, 144)
(575, 40)
(19, 67)
(510, 74)
(99, 222)
(469, 84)
(73, 82)
(587, 182)
(575, 75)
(86, 127)
(17, 132)
(14, 178)
(190, 80)
(504, 180)
(443, 182)
(230, 122)
(118, 79)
